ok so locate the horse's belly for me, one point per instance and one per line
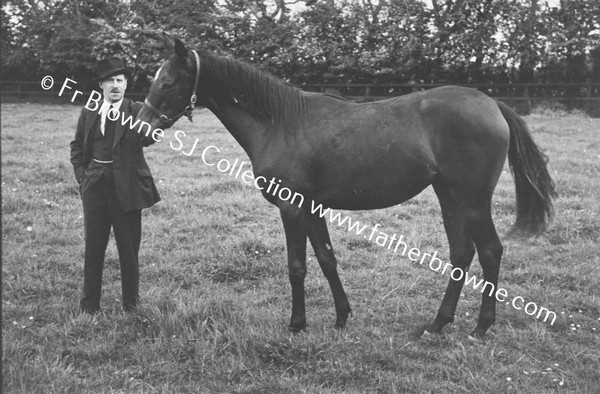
(368, 189)
(358, 199)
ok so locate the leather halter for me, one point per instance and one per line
(188, 110)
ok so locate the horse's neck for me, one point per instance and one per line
(252, 105)
(248, 131)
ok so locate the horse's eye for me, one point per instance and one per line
(168, 85)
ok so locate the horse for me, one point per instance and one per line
(365, 156)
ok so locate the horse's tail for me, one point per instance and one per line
(533, 184)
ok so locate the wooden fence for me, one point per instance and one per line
(584, 96)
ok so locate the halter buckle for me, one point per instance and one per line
(188, 112)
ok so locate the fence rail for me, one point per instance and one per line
(524, 96)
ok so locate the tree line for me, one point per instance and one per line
(314, 41)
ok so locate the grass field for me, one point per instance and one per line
(216, 297)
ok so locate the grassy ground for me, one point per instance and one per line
(216, 298)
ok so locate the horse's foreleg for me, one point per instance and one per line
(296, 227)
(319, 239)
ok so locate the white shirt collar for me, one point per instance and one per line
(104, 112)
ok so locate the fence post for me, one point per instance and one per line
(367, 91)
(527, 99)
(588, 97)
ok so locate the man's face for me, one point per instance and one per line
(114, 87)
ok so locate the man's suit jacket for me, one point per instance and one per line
(133, 180)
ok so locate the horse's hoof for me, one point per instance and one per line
(477, 335)
(428, 335)
(475, 338)
(341, 320)
(297, 329)
(340, 324)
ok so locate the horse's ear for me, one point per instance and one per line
(175, 45)
(180, 49)
(169, 42)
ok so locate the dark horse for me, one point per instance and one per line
(373, 155)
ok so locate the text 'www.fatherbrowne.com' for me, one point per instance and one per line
(397, 244)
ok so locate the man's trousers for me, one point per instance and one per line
(101, 211)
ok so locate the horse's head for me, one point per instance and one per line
(174, 88)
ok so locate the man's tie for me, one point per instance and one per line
(109, 125)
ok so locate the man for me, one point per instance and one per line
(115, 184)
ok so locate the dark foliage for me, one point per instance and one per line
(325, 41)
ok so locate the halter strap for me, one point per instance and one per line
(190, 107)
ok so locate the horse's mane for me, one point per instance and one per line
(263, 95)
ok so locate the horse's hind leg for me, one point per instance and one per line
(461, 253)
(319, 238)
(489, 250)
